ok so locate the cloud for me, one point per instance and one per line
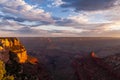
(53, 3)
(112, 26)
(9, 24)
(65, 22)
(57, 3)
(80, 18)
(11, 28)
(26, 30)
(88, 5)
(12, 18)
(72, 20)
(20, 10)
(91, 18)
(113, 14)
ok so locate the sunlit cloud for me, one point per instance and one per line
(114, 26)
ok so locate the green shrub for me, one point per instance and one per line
(2, 69)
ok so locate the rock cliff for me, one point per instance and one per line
(16, 64)
(14, 46)
(91, 67)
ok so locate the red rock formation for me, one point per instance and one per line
(93, 55)
(32, 60)
(94, 68)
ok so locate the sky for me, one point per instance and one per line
(60, 18)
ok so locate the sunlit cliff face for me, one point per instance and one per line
(14, 46)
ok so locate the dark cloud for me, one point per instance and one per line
(12, 18)
(4, 23)
(88, 5)
(64, 22)
(22, 20)
(58, 21)
(6, 30)
(26, 30)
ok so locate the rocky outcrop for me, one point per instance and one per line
(94, 68)
(14, 46)
(18, 65)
